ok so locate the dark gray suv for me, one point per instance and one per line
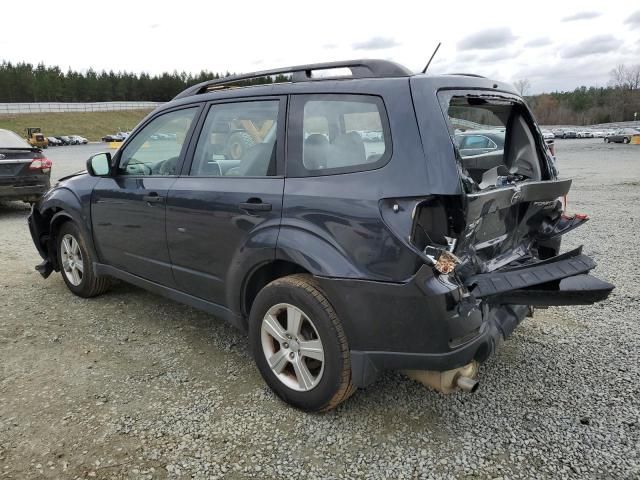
(333, 218)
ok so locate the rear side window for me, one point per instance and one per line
(494, 139)
(331, 134)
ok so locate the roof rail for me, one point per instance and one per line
(303, 73)
(467, 75)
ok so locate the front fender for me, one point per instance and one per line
(57, 206)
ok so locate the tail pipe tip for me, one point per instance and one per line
(467, 384)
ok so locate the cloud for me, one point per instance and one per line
(502, 54)
(634, 19)
(592, 46)
(376, 43)
(538, 42)
(581, 16)
(329, 46)
(487, 39)
(465, 57)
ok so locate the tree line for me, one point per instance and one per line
(25, 82)
(587, 106)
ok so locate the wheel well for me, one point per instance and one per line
(265, 275)
(53, 226)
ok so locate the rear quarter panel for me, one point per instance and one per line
(331, 225)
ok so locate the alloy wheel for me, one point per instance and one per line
(292, 346)
(72, 263)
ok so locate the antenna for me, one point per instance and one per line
(432, 55)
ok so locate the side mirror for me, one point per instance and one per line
(99, 165)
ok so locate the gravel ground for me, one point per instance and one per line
(130, 385)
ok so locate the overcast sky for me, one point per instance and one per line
(557, 45)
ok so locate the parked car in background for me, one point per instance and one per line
(54, 142)
(598, 133)
(422, 250)
(24, 170)
(369, 136)
(64, 139)
(558, 132)
(113, 138)
(622, 135)
(584, 134)
(548, 135)
(79, 140)
(569, 134)
(480, 142)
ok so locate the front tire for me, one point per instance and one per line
(76, 263)
(299, 344)
(626, 140)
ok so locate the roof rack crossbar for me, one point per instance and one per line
(304, 73)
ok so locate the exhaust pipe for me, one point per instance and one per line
(467, 384)
(449, 381)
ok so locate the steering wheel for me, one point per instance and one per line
(146, 170)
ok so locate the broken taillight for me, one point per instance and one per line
(41, 163)
(563, 201)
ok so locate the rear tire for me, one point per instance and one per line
(606, 140)
(76, 263)
(294, 326)
(626, 140)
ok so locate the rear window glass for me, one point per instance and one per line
(494, 141)
(339, 134)
(9, 139)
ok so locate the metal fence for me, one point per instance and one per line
(75, 107)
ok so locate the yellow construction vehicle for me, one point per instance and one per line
(36, 138)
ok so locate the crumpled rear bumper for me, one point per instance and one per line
(432, 323)
(367, 365)
(561, 280)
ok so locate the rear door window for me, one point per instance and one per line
(238, 139)
(494, 138)
(331, 134)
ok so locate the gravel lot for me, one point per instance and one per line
(130, 385)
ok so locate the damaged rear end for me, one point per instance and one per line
(506, 231)
(498, 236)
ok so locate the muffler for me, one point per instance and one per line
(449, 381)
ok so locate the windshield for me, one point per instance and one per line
(494, 141)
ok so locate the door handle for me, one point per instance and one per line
(153, 198)
(255, 205)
